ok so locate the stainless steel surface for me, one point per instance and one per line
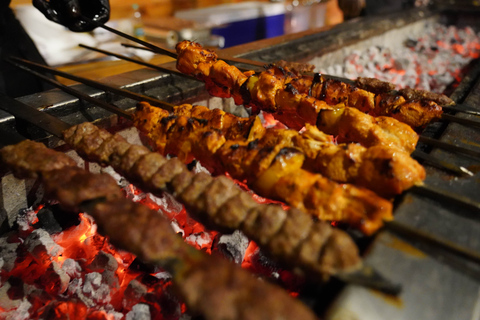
(42, 120)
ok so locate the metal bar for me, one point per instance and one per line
(157, 49)
(416, 234)
(169, 107)
(125, 93)
(449, 147)
(466, 122)
(41, 119)
(229, 60)
(441, 164)
(442, 195)
(9, 136)
(366, 276)
(140, 62)
(460, 108)
(76, 93)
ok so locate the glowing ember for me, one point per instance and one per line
(431, 62)
(77, 274)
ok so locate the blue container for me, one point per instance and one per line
(241, 22)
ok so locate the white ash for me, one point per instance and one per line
(122, 182)
(429, 62)
(200, 239)
(8, 254)
(95, 290)
(234, 245)
(166, 202)
(163, 275)
(6, 303)
(25, 219)
(72, 268)
(139, 311)
(58, 276)
(197, 168)
(75, 288)
(30, 289)
(176, 228)
(22, 312)
(41, 245)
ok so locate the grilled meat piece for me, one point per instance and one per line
(257, 91)
(374, 85)
(297, 67)
(228, 212)
(210, 286)
(274, 91)
(415, 94)
(352, 125)
(39, 158)
(222, 79)
(416, 113)
(380, 100)
(385, 170)
(271, 163)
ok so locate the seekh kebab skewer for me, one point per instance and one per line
(381, 169)
(209, 285)
(290, 236)
(312, 248)
(273, 171)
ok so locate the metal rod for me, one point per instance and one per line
(140, 62)
(157, 49)
(125, 93)
(230, 60)
(367, 276)
(442, 195)
(460, 108)
(169, 107)
(461, 171)
(466, 122)
(57, 127)
(414, 233)
(40, 119)
(76, 93)
(153, 48)
(449, 147)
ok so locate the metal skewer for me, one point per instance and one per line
(254, 63)
(92, 83)
(140, 62)
(425, 190)
(169, 107)
(458, 170)
(416, 234)
(418, 154)
(459, 108)
(56, 127)
(449, 147)
(76, 93)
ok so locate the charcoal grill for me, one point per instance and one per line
(436, 284)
